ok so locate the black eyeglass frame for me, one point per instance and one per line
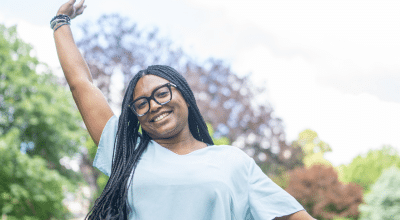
(151, 97)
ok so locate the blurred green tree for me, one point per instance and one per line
(32, 101)
(49, 128)
(366, 169)
(312, 153)
(312, 147)
(383, 202)
(28, 189)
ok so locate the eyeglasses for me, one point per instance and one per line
(161, 95)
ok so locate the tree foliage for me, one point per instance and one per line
(312, 151)
(319, 191)
(28, 189)
(114, 44)
(35, 104)
(38, 126)
(366, 169)
(312, 147)
(383, 202)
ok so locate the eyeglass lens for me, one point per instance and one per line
(162, 95)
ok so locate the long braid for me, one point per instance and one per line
(112, 203)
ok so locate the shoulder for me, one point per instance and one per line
(233, 150)
(232, 154)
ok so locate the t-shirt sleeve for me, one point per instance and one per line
(266, 199)
(104, 154)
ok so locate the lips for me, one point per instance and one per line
(160, 116)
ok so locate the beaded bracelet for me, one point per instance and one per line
(61, 16)
(59, 20)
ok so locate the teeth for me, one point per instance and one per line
(161, 117)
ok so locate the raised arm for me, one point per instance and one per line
(91, 102)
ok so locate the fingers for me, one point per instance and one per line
(80, 4)
(80, 10)
(80, 7)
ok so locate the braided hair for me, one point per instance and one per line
(130, 144)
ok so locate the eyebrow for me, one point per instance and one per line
(151, 92)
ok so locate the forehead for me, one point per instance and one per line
(147, 84)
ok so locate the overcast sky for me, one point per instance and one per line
(331, 66)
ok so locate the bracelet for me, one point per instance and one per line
(60, 16)
(60, 26)
(59, 19)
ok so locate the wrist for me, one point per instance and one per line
(59, 20)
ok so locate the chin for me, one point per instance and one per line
(164, 132)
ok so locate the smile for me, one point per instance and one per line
(162, 116)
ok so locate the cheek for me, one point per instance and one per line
(184, 109)
(143, 124)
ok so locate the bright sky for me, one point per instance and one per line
(331, 66)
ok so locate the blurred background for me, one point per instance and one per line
(309, 89)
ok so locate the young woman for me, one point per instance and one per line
(171, 170)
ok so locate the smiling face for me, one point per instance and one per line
(162, 121)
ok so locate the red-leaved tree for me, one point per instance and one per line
(322, 195)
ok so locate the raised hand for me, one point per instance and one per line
(72, 10)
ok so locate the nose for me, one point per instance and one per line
(153, 105)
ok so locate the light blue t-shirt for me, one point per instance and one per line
(213, 183)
